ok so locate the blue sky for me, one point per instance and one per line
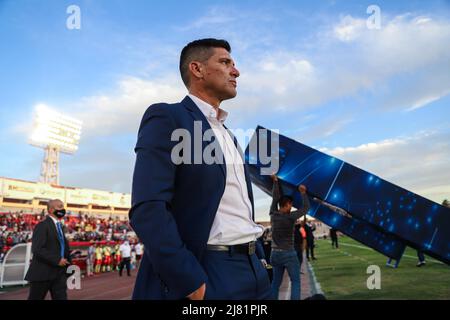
(377, 98)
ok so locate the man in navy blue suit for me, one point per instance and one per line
(196, 216)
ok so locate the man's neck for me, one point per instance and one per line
(214, 102)
(55, 217)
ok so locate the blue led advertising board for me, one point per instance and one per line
(360, 204)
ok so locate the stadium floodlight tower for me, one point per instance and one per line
(54, 133)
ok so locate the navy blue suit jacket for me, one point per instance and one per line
(173, 206)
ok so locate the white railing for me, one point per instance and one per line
(15, 265)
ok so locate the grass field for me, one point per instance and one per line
(342, 274)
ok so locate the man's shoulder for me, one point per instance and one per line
(277, 216)
(44, 222)
(163, 108)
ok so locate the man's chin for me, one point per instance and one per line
(229, 95)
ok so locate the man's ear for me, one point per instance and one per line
(196, 69)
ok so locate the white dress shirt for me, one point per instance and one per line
(233, 223)
(56, 221)
(138, 249)
(125, 250)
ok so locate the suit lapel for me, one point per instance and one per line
(197, 115)
(236, 144)
(54, 231)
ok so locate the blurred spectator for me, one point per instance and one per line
(139, 249)
(90, 260)
(299, 243)
(421, 258)
(334, 238)
(309, 228)
(125, 251)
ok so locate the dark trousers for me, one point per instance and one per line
(270, 273)
(235, 276)
(57, 288)
(125, 262)
(420, 256)
(299, 256)
(334, 242)
(310, 249)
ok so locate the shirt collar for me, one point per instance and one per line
(208, 110)
(54, 219)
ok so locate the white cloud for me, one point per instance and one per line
(425, 100)
(283, 78)
(262, 204)
(351, 59)
(354, 59)
(325, 128)
(401, 43)
(121, 111)
(349, 28)
(299, 81)
(101, 163)
(418, 163)
(215, 16)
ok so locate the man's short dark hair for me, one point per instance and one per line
(284, 200)
(200, 50)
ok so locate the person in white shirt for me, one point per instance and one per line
(194, 212)
(90, 259)
(139, 252)
(125, 251)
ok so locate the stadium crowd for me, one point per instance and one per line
(17, 227)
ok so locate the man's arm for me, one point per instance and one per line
(151, 216)
(306, 205)
(260, 251)
(276, 194)
(67, 251)
(38, 247)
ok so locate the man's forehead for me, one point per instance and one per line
(221, 53)
(57, 203)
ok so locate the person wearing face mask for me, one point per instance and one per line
(51, 257)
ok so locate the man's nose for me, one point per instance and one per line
(235, 72)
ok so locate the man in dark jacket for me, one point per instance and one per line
(309, 229)
(334, 238)
(50, 250)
